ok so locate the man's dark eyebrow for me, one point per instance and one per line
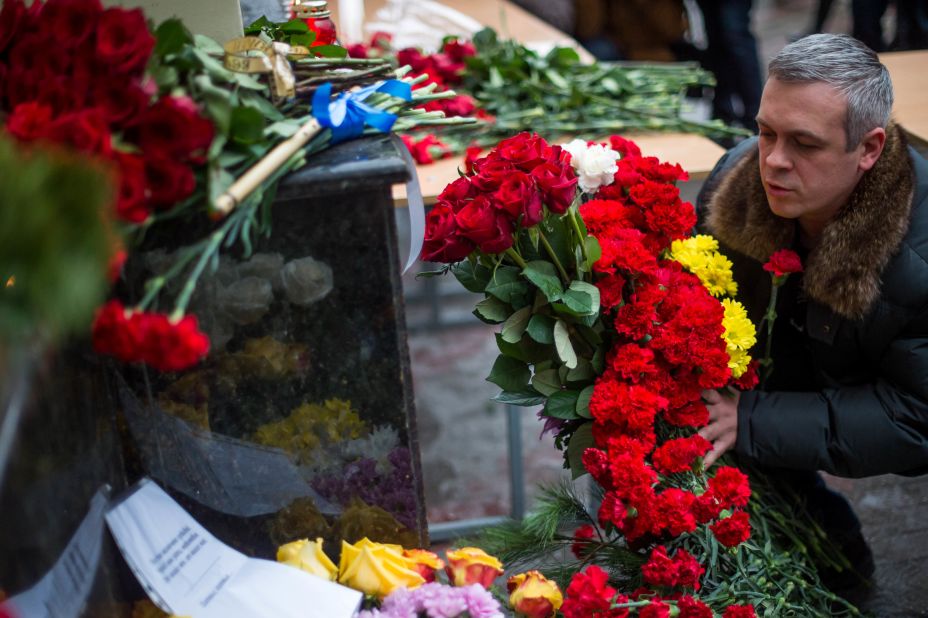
(797, 133)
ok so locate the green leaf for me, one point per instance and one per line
(589, 334)
(231, 158)
(257, 25)
(582, 372)
(304, 39)
(261, 104)
(562, 404)
(546, 382)
(565, 350)
(507, 286)
(593, 251)
(509, 374)
(541, 329)
(510, 349)
(557, 80)
(246, 125)
(583, 402)
(294, 26)
(582, 298)
(599, 360)
(528, 397)
(474, 279)
(515, 325)
(283, 128)
(544, 276)
(330, 51)
(171, 37)
(165, 77)
(563, 56)
(207, 44)
(492, 310)
(580, 440)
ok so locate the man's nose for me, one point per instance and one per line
(777, 157)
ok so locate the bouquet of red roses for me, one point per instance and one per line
(616, 318)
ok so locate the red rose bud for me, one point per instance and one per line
(483, 225)
(534, 596)
(783, 262)
(732, 530)
(526, 151)
(426, 563)
(519, 196)
(471, 565)
(491, 172)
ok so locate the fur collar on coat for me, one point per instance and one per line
(844, 271)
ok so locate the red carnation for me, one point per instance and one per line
(655, 609)
(659, 570)
(624, 250)
(632, 478)
(730, 486)
(582, 537)
(732, 530)
(693, 608)
(739, 611)
(626, 147)
(672, 512)
(783, 262)
(612, 511)
(174, 346)
(706, 507)
(631, 361)
(117, 333)
(124, 43)
(749, 379)
(693, 414)
(589, 594)
(678, 455)
(597, 464)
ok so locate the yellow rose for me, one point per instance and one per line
(426, 563)
(308, 556)
(376, 569)
(533, 596)
(472, 565)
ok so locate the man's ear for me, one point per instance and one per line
(871, 148)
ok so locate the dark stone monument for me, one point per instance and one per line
(299, 423)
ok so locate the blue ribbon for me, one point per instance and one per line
(348, 113)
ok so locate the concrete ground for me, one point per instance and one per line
(464, 435)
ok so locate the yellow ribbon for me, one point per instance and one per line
(273, 59)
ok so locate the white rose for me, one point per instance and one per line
(595, 165)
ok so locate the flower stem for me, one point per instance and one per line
(769, 318)
(553, 255)
(515, 257)
(573, 214)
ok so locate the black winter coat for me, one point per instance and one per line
(849, 392)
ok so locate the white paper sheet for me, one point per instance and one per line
(188, 572)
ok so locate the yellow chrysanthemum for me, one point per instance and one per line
(699, 255)
(740, 335)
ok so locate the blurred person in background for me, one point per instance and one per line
(651, 30)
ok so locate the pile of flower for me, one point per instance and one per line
(610, 316)
(406, 583)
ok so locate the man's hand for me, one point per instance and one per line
(722, 430)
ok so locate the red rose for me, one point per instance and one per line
(486, 227)
(783, 262)
(63, 93)
(124, 43)
(558, 182)
(732, 530)
(85, 131)
(526, 151)
(739, 611)
(121, 102)
(470, 157)
(22, 86)
(443, 243)
(518, 195)
(12, 14)
(491, 172)
(169, 181)
(29, 121)
(357, 50)
(457, 192)
(730, 485)
(174, 128)
(70, 22)
(132, 201)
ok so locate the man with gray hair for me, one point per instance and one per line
(831, 177)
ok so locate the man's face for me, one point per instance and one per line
(804, 165)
